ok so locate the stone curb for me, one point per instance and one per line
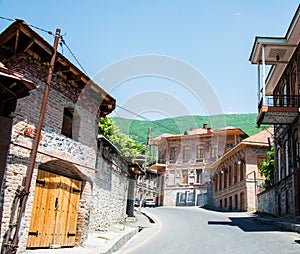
(121, 241)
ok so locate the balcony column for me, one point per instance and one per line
(258, 84)
(263, 76)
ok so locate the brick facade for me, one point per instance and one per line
(236, 175)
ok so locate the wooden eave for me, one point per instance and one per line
(235, 150)
(19, 38)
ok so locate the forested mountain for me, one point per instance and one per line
(138, 129)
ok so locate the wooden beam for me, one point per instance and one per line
(27, 47)
(16, 42)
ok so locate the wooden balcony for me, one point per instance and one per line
(159, 165)
(279, 109)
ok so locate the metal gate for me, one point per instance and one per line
(54, 212)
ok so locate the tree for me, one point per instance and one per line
(267, 168)
(126, 144)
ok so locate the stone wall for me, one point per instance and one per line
(266, 202)
(110, 188)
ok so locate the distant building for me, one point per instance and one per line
(182, 159)
(236, 174)
(146, 185)
(278, 104)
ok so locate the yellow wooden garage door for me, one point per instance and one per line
(54, 211)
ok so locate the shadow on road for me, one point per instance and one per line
(247, 225)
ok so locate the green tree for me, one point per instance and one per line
(126, 144)
(267, 168)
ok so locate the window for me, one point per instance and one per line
(286, 150)
(216, 182)
(67, 122)
(200, 152)
(199, 176)
(172, 177)
(242, 169)
(235, 172)
(230, 176)
(214, 152)
(172, 154)
(225, 177)
(278, 164)
(186, 154)
(220, 181)
(184, 176)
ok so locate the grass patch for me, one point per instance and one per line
(103, 237)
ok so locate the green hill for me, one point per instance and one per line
(138, 129)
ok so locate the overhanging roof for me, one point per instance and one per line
(20, 38)
(278, 51)
(13, 84)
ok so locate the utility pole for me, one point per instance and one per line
(10, 244)
(144, 167)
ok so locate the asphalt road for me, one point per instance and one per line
(196, 230)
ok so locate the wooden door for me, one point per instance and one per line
(54, 211)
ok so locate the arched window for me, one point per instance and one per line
(230, 176)
(235, 172)
(242, 169)
(278, 164)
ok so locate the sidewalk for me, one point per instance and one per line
(108, 240)
(283, 223)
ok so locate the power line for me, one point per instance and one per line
(63, 42)
(77, 61)
(144, 118)
(36, 27)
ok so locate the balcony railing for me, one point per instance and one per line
(285, 101)
(278, 109)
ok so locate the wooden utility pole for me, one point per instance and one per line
(10, 244)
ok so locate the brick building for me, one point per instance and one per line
(73, 169)
(182, 161)
(278, 104)
(236, 174)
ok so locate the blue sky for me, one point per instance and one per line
(213, 37)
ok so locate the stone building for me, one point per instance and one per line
(182, 161)
(146, 185)
(236, 174)
(73, 169)
(278, 104)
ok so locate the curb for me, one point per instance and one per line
(121, 241)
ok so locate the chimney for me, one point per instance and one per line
(204, 126)
(192, 128)
(208, 130)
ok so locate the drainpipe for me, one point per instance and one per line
(12, 239)
(263, 75)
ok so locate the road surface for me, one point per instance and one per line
(186, 230)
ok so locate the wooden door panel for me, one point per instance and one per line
(55, 210)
